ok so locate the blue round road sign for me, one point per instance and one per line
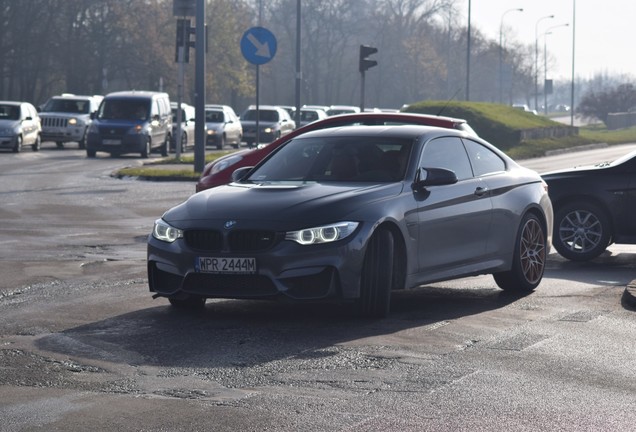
(258, 45)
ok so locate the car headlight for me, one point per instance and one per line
(165, 232)
(225, 163)
(72, 121)
(322, 234)
(268, 130)
(211, 132)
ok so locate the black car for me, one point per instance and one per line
(350, 214)
(594, 206)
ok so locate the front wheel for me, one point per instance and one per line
(37, 145)
(221, 142)
(377, 276)
(145, 152)
(581, 231)
(164, 147)
(529, 258)
(17, 148)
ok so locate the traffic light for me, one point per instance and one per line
(365, 63)
(183, 39)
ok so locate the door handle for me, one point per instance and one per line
(481, 191)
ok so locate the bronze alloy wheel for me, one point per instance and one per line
(532, 251)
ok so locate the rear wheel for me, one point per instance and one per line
(529, 258)
(184, 142)
(377, 276)
(90, 153)
(581, 231)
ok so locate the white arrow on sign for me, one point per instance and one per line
(262, 49)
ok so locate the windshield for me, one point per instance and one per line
(9, 112)
(124, 109)
(341, 159)
(213, 116)
(264, 115)
(74, 106)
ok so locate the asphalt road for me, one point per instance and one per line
(84, 347)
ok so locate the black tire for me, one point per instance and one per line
(376, 278)
(82, 143)
(17, 148)
(145, 152)
(529, 258)
(37, 145)
(190, 302)
(164, 147)
(184, 142)
(90, 153)
(582, 231)
(221, 142)
(59, 144)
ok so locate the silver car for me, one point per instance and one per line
(19, 126)
(187, 126)
(222, 126)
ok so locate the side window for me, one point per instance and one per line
(155, 109)
(449, 153)
(483, 160)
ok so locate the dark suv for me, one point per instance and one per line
(131, 122)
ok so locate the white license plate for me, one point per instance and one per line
(225, 265)
(111, 142)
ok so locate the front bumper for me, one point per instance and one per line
(288, 270)
(124, 144)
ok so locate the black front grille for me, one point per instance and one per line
(237, 240)
(113, 132)
(204, 240)
(54, 122)
(251, 241)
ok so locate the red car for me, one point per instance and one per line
(219, 171)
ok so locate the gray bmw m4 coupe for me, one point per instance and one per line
(351, 214)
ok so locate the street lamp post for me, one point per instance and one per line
(545, 63)
(501, 51)
(536, 60)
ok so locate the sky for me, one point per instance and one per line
(604, 32)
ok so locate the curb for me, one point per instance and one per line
(629, 295)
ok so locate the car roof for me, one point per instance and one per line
(394, 131)
(135, 93)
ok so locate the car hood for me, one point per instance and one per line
(118, 122)
(279, 205)
(260, 123)
(9, 123)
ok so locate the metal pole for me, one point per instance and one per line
(199, 94)
(362, 91)
(468, 55)
(536, 60)
(298, 65)
(573, 51)
(501, 51)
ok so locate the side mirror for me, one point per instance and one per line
(434, 177)
(240, 173)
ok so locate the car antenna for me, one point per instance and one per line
(448, 102)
